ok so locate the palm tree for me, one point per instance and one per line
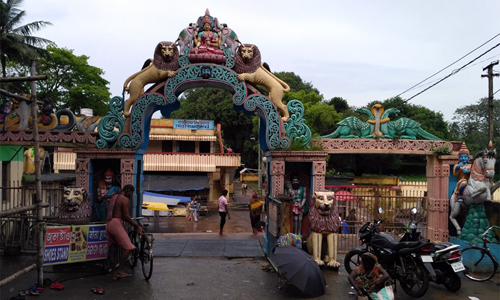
(16, 41)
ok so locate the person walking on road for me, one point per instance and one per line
(223, 211)
(244, 188)
(117, 236)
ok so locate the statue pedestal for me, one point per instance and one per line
(475, 225)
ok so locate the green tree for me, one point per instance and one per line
(72, 83)
(16, 41)
(339, 103)
(217, 104)
(470, 124)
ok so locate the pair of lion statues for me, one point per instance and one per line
(248, 68)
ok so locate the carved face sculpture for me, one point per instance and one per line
(295, 183)
(246, 53)
(167, 52)
(324, 202)
(73, 198)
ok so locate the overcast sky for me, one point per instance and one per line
(358, 50)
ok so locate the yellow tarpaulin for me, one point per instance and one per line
(155, 206)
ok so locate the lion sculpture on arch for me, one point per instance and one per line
(75, 208)
(324, 221)
(164, 64)
(249, 68)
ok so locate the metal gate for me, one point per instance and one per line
(358, 206)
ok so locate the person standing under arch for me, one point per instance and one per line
(223, 211)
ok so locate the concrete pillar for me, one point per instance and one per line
(278, 176)
(438, 172)
(318, 175)
(83, 173)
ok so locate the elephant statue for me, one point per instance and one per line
(229, 38)
(185, 39)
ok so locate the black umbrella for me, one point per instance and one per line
(300, 269)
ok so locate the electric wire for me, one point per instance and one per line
(468, 67)
(452, 73)
(448, 66)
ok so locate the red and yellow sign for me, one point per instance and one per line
(76, 243)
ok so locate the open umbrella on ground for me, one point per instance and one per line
(300, 269)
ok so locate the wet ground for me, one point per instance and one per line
(193, 262)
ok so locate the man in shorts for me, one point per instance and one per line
(117, 236)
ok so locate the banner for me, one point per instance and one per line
(75, 243)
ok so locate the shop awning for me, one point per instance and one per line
(175, 182)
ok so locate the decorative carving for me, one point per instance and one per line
(295, 128)
(319, 182)
(369, 145)
(319, 167)
(75, 208)
(127, 166)
(380, 126)
(52, 138)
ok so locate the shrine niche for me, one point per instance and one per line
(207, 53)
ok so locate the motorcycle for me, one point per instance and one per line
(443, 261)
(402, 260)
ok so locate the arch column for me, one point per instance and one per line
(438, 173)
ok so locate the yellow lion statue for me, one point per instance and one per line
(249, 68)
(163, 66)
(324, 222)
(75, 208)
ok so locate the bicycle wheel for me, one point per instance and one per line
(478, 263)
(134, 254)
(147, 257)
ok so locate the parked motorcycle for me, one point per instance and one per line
(442, 260)
(402, 260)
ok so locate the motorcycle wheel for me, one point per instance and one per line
(452, 282)
(414, 281)
(351, 261)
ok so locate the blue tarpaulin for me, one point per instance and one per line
(175, 182)
(167, 199)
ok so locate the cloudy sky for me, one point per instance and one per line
(358, 50)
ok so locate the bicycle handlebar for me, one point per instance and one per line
(488, 230)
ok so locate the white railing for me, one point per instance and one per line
(417, 189)
(201, 162)
(195, 162)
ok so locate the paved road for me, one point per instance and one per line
(193, 262)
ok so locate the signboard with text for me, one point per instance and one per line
(194, 124)
(75, 243)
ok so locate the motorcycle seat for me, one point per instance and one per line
(411, 246)
(385, 240)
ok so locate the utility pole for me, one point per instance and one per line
(490, 76)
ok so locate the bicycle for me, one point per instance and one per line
(143, 251)
(479, 263)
